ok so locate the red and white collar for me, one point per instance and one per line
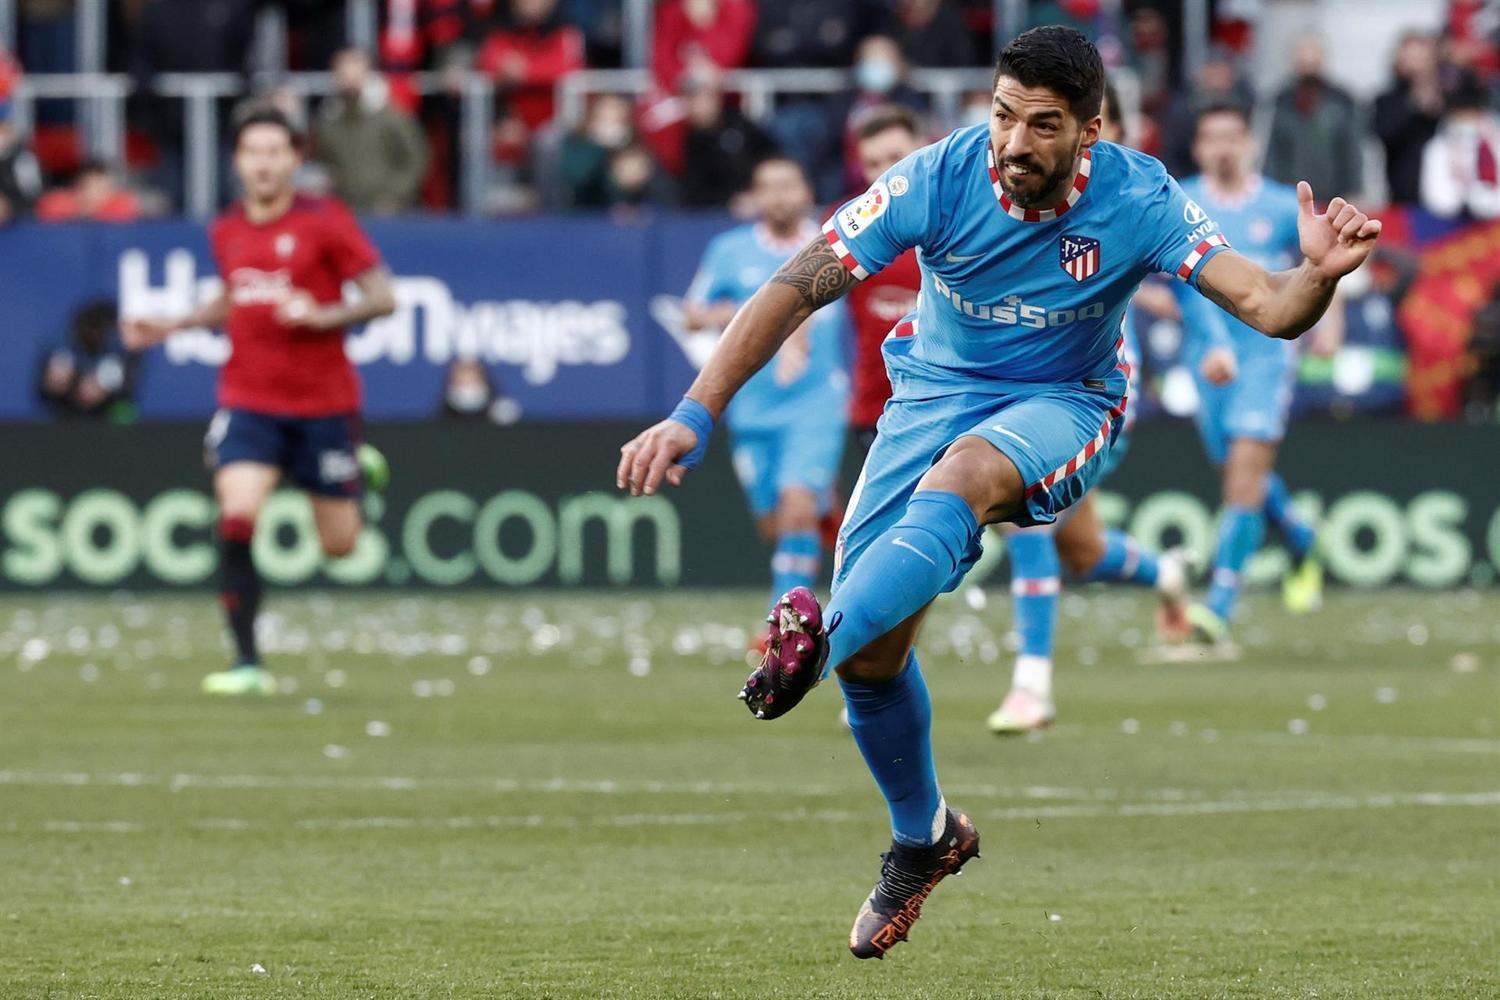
(1233, 200)
(1080, 181)
(791, 244)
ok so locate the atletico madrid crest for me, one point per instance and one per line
(1080, 256)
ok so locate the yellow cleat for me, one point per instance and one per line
(1302, 586)
(240, 682)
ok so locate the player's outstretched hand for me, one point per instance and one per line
(138, 334)
(1218, 366)
(1339, 239)
(653, 456)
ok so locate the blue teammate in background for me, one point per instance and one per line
(1245, 379)
(1009, 387)
(787, 424)
(1079, 543)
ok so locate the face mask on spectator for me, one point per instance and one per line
(876, 75)
(470, 398)
(610, 134)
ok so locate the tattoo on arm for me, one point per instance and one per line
(816, 273)
(1218, 298)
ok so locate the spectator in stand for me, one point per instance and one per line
(527, 53)
(375, 153)
(879, 79)
(1150, 51)
(1461, 163)
(1316, 130)
(722, 145)
(1407, 115)
(790, 34)
(470, 395)
(636, 184)
(690, 32)
(932, 33)
(1217, 83)
(94, 194)
(91, 375)
(578, 175)
(20, 176)
(187, 36)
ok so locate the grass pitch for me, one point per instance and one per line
(558, 796)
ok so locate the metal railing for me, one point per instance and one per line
(101, 100)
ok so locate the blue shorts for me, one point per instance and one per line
(1058, 436)
(770, 460)
(1255, 405)
(318, 454)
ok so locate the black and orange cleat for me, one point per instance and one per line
(907, 877)
(795, 651)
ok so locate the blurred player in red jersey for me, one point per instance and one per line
(289, 398)
(886, 135)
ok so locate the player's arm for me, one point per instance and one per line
(139, 333)
(803, 285)
(813, 278)
(377, 297)
(1285, 304)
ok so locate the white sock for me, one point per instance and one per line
(1034, 673)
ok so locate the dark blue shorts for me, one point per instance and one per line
(317, 454)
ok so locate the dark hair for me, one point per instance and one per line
(1112, 100)
(1467, 93)
(265, 114)
(791, 161)
(887, 116)
(1221, 108)
(1062, 60)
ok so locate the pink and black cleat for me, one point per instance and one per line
(792, 665)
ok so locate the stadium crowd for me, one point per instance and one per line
(690, 140)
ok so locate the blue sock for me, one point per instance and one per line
(1124, 561)
(1034, 581)
(901, 571)
(795, 563)
(1297, 530)
(892, 724)
(1240, 533)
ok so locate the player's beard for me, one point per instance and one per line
(1043, 195)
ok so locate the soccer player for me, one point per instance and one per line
(1089, 551)
(787, 425)
(1245, 379)
(1009, 387)
(289, 398)
(885, 136)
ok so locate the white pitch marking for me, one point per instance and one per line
(1321, 803)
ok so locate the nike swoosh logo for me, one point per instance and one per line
(955, 259)
(912, 548)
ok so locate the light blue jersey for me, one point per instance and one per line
(783, 436)
(1262, 225)
(1022, 295)
(735, 265)
(1017, 337)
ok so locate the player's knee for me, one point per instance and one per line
(981, 474)
(1079, 556)
(338, 544)
(796, 511)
